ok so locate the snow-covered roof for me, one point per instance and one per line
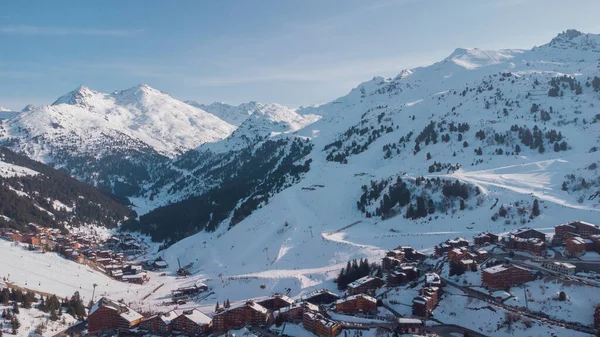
(361, 281)
(355, 297)
(308, 305)
(501, 268)
(160, 263)
(197, 317)
(130, 315)
(403, 320)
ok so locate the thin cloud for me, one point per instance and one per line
(61, 31)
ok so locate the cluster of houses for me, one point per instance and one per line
(106, 256)
(310, 310)
(578, 237)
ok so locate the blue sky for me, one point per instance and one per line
(290, 52)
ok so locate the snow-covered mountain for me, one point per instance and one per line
(428, 155)
(232, 114)
(111, 140)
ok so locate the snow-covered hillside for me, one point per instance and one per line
(111, 140)
(232, 114)
(510, 126)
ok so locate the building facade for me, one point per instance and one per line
(360, 303)
(505, 276)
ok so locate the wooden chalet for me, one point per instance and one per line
(108, 315)
(191, 323)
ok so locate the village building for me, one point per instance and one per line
(321, 296)
(295, 311)
(410, 326)
(534, 246)
(485, 238)
(528, 233)
(560, 267)
(392, 259)
(191, 323)
(360, 303)
(448, 245)
(411, 254)
(424, 304)
(433, 280)
(366, 285)
(236, 317)
(597, 317)
(457, 254)
(479, 255)
(159, 324)
(275, 302)
(575, 246)
(402, 275)
(140, 278)
(575, 228)
(109, 315)
(319, 325)
(505, 276)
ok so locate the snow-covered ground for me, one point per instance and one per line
(456, 308)
(8, 170)
(30, 319)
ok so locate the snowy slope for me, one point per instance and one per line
(232, 114)
(460, 119)
(364, 137)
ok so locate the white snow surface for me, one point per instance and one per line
(87, 117)
(8, 170)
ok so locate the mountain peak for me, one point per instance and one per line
(75, 97)
(473, 58)
(3, 109)
(574, 39)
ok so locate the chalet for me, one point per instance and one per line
(410, 326)
(528, 233)
(402, 275)
(108, 315)
(485, 238)
(238, 316)
(275, 302)
(532, 245)
(131, 269)
(433, 280)
(560, 267)
(186, 292)
(319, 325)
(360, 303)
(392, 259)
(448, 245)
(191, 323)
(575, 228)
(367, 284)
(295, 311)
(479, 255)
(457, 254)
(140, 278)
(321, 296)
(424, 304)
(505, 276)
(411, 254)
(160, 324)
(575, 247)
(159, 264)
(597, 317)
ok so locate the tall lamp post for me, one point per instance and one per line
(94, 291)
